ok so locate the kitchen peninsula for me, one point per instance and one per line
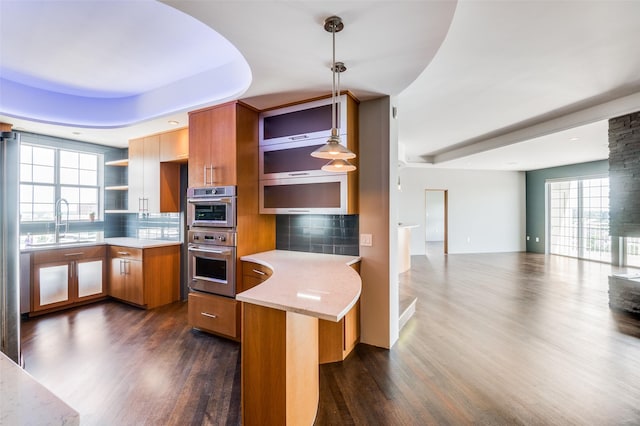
(280, 370)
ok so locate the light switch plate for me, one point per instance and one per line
(366, 240)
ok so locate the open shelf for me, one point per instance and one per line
(121, 163)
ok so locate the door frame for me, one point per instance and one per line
(446, 215)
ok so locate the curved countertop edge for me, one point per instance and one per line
(117, 241)
(279, 291)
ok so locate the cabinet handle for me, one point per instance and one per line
(75, 254)
(124, 253)
(211, 167)
(298, 211)
(298, 174)
(72, 266)
(259, 272)
(204, 182)
(208, 315)
(297, 138)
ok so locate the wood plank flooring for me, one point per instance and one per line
(497, 339)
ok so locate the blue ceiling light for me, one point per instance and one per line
(108, 64)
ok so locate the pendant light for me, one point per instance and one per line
(334, 150)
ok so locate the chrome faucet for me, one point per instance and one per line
(59, 222)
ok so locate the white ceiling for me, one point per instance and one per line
(480, 84)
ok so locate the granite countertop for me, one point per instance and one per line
(137, 243)
(123, 241)
(26, 402)
(318, 285)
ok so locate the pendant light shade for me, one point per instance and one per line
(338, 166)
(333, 149)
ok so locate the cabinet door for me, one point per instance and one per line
(144, 175)
(200, 130)
(174, 146)
(316, 195)
(126, 282)
(136, 174)
(89, 275)
(50, 285)
(151, 180)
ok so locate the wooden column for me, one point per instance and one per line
(280, 373)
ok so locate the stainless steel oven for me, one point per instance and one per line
(213, 206)
(212, 261)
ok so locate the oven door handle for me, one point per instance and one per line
(226, 200)
(200, 250)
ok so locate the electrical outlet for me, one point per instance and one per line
(537, 239)
(366, 240)
(528, 238)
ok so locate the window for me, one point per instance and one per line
(578, 218)
(49, 174)
(632, 251)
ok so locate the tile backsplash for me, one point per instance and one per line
(328, 234)
(161, 226)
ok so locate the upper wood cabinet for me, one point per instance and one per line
(174, 146)
(154, 187)
(291, 181)
(214, 135)
(144, 174)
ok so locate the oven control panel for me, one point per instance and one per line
(209, 236)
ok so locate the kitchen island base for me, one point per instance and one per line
(280, 373)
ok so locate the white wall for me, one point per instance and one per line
(486, 208)
(434, 207)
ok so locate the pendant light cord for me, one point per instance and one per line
(333, 89)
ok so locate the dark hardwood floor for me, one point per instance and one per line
(497, 339)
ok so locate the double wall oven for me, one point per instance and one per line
(211, 216)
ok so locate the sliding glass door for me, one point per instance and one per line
(578, 218)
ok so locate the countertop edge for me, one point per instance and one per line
(255, 258)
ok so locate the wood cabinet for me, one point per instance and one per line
(153, 187)
(144, 174)
(214, 314)
(66, 277)
(125, 274)
(223, 150)
(214, 136)
(337, 339)
(147, 277)
(253, 274)
(291, 181)
(174, 146)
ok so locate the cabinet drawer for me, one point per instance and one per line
(215, 314)
(125, 252)
(256, 270)
(67, 254)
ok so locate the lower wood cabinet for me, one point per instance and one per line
(253, 274)
(67, 277)
(214, 314)
(337, 339)
(147, 277)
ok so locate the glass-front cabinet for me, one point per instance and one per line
(291, 180)
(67, 276)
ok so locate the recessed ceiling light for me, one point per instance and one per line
(573, 139)
(173, 122)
